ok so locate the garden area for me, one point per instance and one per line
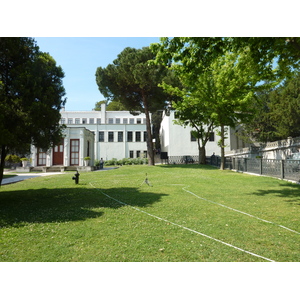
(164, 213)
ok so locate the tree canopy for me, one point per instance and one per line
(31, 94)
(133, 81)
(277, 113)
(218, 93)
(264, 51)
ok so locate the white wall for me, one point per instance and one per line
(176, 140)
(108, 150)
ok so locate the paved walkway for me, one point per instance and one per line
(22, 176)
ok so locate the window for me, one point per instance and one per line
(125, 121)
(70, 121)
(110, 121)
(131, 154)
(145, 154)
(193, 139)
(110, 136)
(212, 137)
(138, 121)
(101, 136)
(118, 121)
(98, 120)
(137, 136)
(41, 158)
(129, 136)
(91, 120)
(138, 153)
(63, 121)
(74, 157)
(77, 121)
(145, 136)
(83, 120)
(131, 121)
(120, 136)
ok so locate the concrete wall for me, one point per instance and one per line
(110, 121)
(176, 139)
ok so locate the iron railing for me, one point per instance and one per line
(278, 168)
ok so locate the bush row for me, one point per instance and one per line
(126, 161)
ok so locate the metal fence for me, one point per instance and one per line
(278, 168)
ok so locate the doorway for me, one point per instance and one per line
(58, 154)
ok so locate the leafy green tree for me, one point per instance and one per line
(232, 98)
(31, 98)
(194, 108)
(276, 113)
(220, 95)
(133, 81)
(285, 108)
(264, 51)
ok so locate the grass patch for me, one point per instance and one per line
(52, 219)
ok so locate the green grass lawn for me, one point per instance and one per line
(190, 213)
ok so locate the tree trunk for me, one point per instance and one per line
(222, 148)
(202, 153)
(150, 151)
(2, 161)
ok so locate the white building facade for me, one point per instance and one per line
(95, 134)
(74, 147)
(118, 134)
(177, 140)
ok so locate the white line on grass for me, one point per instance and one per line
(186, 228)
(241, 212)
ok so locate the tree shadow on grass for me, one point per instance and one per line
(20, 207)
(289, 191)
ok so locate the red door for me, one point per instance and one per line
(58, 154)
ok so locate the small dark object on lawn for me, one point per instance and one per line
(146, 181)
(76, 177)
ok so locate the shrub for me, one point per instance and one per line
(126, 161)
(111, 162)
(14, 159)
(97, 163)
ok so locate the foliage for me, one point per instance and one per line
(218, 95)
(31, 97)
(133, 81)
(196, 56)
(113, 105)
(126, 161)
(277, 113)
(264, 51)
(11, 158)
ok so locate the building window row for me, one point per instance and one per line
(98, 121)
(118, 136)
(138, 154)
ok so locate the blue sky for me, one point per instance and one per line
(79, 58)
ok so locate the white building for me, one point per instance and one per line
(97, 134)
(177, 140)
(75, 146)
